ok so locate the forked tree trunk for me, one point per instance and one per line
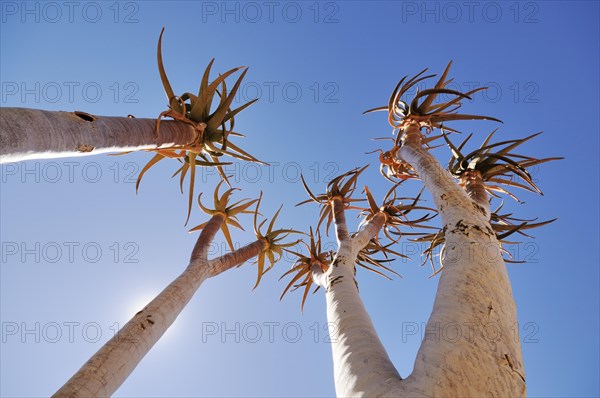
(471, 344)
(361, 365)
(37, 134)
(108, 368)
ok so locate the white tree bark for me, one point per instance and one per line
(361, 365)
(471, 345)
(37, 134)
(108, 368)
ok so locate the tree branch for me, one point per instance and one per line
(200, 251)
(235, 259)
(339, 218)
(38, 134)
(319, 277)
(369, 231)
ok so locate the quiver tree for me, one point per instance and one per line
(110, 366)
(199, 134)
(361, 365)
(210, 129)
(474, 294)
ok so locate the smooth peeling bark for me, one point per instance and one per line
(471, 345)
(37, 134)
(108, 368)
(361, 364)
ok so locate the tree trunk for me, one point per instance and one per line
(361, 364)
(471, 345)
(108, 368)
(37, 134)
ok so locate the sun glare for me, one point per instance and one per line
(139, 302)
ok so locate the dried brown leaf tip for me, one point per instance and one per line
(303, 267)
(393, 168)
(423, 109)
(210, 115)
(504, 225)
(341, 187)
(274, 241)
(495, 165)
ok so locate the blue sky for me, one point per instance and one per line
(81, 252)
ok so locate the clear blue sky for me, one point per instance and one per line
(81, 252)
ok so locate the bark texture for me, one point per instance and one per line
(361, 364)
(36, 134)
(108, 368)
(475, 188)
(471, 345)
